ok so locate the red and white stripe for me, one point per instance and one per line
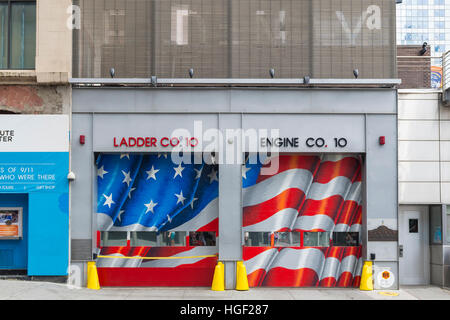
(331, 267)
(326, 196)
(138, 252)
(358, 272)
(347, 270)
(351, 204)
(272, 203)
(306, 267)
(295, 268)
(257, 261)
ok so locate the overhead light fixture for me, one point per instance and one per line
(154, 81)
(306, 79)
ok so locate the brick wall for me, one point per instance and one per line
(34, 99)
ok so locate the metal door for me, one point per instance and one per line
(413, 245)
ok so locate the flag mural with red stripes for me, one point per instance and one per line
(308, 193)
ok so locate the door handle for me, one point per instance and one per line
(400, 251)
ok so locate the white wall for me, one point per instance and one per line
(423, 147)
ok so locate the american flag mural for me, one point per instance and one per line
(149, 192)
(307, 193)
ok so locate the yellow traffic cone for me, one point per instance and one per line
(241, 277)
(92, 276)
(218, 283)
(366, 277)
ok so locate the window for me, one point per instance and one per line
(144, 239)
(346, 239)
(439, 36)
(286, 239)
(439, 48)
(316, 239)
(439, 13)
(413, 225)
(202, 238)
(439, 24)
(272, 239)
(17, 34)
(114, 239)
(257, 239)
(436, 224)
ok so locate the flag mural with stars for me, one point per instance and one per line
(115, 176)
(152, 193)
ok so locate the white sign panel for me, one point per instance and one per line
(306, 133)
(34, 133)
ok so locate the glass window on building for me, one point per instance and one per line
(199, 238)
(316, 239)
(113, 238)
(439, 48)
(144, 239)
(439, 12)
(439, 24)
(439, 36)
(17, 34)
(346, 239)
(436, 224)
(286, 239)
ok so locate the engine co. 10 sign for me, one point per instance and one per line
(311, 142)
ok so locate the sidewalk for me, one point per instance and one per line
(30, 290)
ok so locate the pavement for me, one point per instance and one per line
(37, 290)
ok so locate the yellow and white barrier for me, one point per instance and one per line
(241, 277)
(92, 276)
(218, 283)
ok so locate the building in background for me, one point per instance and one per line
(420, 21)
(35, 100)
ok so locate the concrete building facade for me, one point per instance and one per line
(424, 188)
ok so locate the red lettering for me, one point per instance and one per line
(123, 142)
(165, 139)
(140, 142)
(115, 144)
(153, 142)
(174, 144)
(194, 142)
(131, 141)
